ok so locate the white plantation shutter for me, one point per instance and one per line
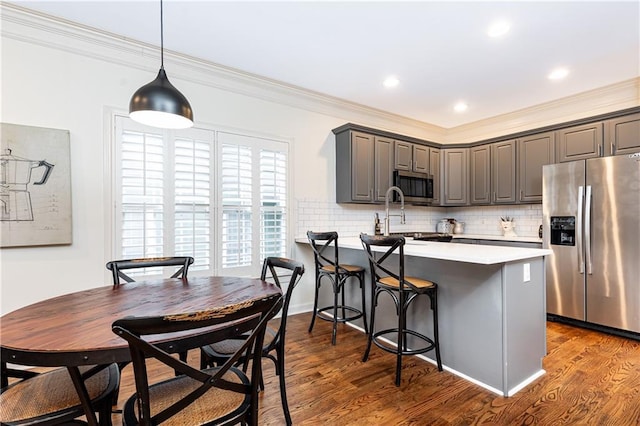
(254, 201)
(181, 193)
(273, 203)
(142, 197)
(237, 200)
(193, 192)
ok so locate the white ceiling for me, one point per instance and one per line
(438, 50)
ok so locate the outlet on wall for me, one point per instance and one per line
(526, 272)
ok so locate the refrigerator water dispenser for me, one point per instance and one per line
(563, 230)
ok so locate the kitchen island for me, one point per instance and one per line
(491, 306)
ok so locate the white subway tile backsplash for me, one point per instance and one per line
(351, 220)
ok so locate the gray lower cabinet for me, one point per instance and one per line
(580, 142)
(623, 134)
(455, 178)
(534, 152)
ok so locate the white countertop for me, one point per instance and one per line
(470, 253)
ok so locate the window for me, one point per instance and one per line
(182, 193)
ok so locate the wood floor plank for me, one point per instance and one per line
(592, 379)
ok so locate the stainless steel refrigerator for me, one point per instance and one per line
(591, 221)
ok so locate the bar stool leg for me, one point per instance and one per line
(436, 339)
(364, 301)
(336, 291)
(315, 304)
(374, 303)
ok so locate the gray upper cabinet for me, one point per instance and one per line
(455, 177)
(534, 152)
(580, 142)
(480, 174)
(354, 167)
(623, 134)
(503, 172)
(493, 173)
(411, 157)
(434, 169)
(383, 167)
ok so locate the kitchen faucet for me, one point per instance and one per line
(386, 208)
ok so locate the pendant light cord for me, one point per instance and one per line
(161, 37)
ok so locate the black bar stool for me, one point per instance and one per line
(403, 290)
(327, 265)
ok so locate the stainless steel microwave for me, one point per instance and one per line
(416, 187)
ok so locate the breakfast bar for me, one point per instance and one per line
(491, 303)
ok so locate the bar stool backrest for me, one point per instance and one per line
(383, 266)
(321, 243)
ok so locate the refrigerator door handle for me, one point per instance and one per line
(579, 246)
(587, 230)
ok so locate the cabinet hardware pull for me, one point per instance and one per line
(613, 148)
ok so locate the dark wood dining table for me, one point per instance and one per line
(75, 329)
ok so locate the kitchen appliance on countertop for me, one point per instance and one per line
(591, 222)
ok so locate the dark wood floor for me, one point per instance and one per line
(592, 379)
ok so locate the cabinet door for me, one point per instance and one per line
(580, 142)
(420, 158)
(455, 163)
(403, 155)
(362, 159)
(503, 172)
(480, 175)
(534, 152)
(624, 134)
(434, 169)
(383, 170)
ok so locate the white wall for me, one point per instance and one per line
(65, 77)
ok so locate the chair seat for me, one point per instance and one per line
(53, 395)
(348, 268)
(228, 347)
(202, 411)
(416, 282)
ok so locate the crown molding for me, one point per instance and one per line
(611, 98)
(33, 27)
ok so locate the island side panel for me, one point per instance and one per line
(470, 313)
(525, 321)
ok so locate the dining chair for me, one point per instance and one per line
(388, 277)
(50, 398)
(218, 395)
(327, 265)
(273, 269)
(117, 266)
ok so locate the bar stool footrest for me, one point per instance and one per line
(356, 314)
(378, 336)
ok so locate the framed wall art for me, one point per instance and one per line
(35, 186)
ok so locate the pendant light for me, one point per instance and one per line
(159, 103)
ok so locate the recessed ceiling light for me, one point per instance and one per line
(498, 28)
(460, 107)
(391, 81)
(558, 74)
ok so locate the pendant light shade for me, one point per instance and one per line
(159, 103)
